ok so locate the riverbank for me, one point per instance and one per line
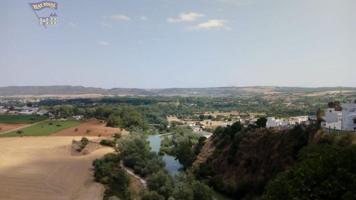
(171, 164)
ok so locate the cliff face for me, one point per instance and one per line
(240, 164)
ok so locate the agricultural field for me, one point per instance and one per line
(8, 127)
(43, 128)
(21, 119)
(44, 168)
(91, 128)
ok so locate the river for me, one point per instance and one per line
(172, 165)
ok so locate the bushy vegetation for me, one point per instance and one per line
(124, 116)
(188, 188)
(162, 183)
(181, 144)
(108, 142)
(245, 159)
(323, 172)
(83, 143)
(109, 172)
(184, 187)
(155, 109)
(136, 154)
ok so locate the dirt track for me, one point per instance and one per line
(42, 168)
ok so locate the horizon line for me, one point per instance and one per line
(162, 88)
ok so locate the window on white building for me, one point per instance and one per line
(354, 120)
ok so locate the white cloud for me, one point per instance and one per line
(103, 43)
(119, 17)
(185, 17)
(212, 24)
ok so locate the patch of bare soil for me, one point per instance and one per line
(135, 188)
(8, 127)
(43, 168)
(91, 128)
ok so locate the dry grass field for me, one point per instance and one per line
(43, 168)
(90, 128)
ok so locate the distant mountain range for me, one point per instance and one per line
(211, 91)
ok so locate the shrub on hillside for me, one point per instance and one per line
(107, 171)
(109, 143)
(152, 195)
(162, 183)
(323, 172)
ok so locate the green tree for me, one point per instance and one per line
(201, 191)
(136, 154)
(119, 184)
(185, 153)
(152, 195)
(324, 172)
(113, 121)
(261, 122)
(183, 191)
(162, 183)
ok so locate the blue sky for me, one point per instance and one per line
(180, 43)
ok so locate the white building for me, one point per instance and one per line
(273, 122)
(78, 117)
(3, 110)
(349, 117)
(42, 112)
(333, 119)
(341, 120)
(285, 122)
(26, 112)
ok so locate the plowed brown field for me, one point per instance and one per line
(8, 127)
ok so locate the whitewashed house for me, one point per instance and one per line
(298, 120)
(349, 117)
(42, 112)
(286, 122)
(78, 117)
(272, 122)
(341, 120)
(333, 119)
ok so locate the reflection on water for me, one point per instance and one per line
(172, 165)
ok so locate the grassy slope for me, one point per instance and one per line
(44, 128)
(21, 119)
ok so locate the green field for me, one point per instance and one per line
(21, 119)
(43, 129)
